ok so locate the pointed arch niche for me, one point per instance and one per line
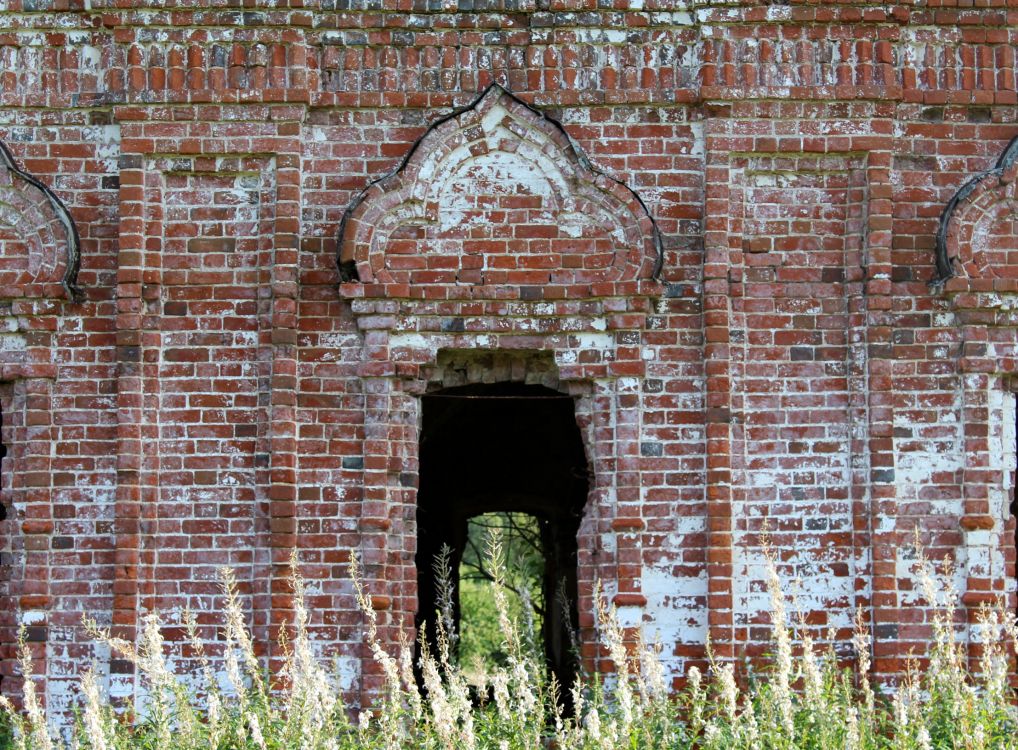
(495, 253)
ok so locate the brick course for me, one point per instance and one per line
(714, 224)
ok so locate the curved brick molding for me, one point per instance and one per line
(977, 267)
(38, 238)
(495, 201)
(972, 239)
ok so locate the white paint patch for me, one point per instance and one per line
(410, 341)
(493, 119)
(609, 544)
(628, 385)
(1001, 449)
(629, 617)
(925, 457)
(109, 139)
(595, 340)
(12, 342)
(572, 225)
(501, 173)
(673, 615)
(338, 340)
(348, 672)
(33, 617)
(1009, 441)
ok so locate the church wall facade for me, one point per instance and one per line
(769, 250)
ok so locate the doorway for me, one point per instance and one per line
(509, 455)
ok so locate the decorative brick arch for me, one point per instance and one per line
(496, 237)
(964, 238)
(39, 245)
(494, 164)
(977, 268)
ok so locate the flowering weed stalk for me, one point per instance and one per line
(804, 698)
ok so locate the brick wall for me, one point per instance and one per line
(718, 222)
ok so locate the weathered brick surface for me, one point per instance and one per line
(714, 224)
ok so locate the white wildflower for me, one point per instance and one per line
(729, 691)
(406, 670)
(236, 628)
(390, 668)
(697, 697)
(993, 662)
(695, 678)
(523, 685)
(852, 730)
(256, 730)
(610, 735)
(783, 643)
(215, 716)
(93, 719)
(813, 681)
(613, 638)
(442, 713)
(750, 728)
(38, 729)
(861, 641)
(900, 708)
(577, 693)
(923, 739)
(232, 667)
(711, 733)
(652, 671)
(213, 702)
(592, 723)
(500, 688)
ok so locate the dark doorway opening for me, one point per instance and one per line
(504, 448)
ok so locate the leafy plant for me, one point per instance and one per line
(6, 731)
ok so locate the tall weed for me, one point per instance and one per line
(802, 699)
